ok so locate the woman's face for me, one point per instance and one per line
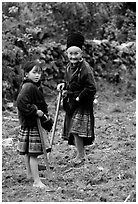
(74, 54)
(34, 74)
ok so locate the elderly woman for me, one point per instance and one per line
(79, 90)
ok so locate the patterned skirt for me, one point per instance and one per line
(82, 124)
(29, 141)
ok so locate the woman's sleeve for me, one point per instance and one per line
(25, 105)
(89, 84)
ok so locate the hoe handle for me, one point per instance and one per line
(56, 118)
(43, 144)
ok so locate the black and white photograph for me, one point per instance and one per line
(68, 101)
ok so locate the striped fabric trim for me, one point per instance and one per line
(29, 141)
(81, 124)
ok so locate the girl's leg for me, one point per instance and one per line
(27, 163)
(35, 172)
(80, 147)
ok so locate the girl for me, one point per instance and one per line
(79, 90)
(31, 104)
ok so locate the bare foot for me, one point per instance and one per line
(29, 176)
(78, 160)
(41, 185)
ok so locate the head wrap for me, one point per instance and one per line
(75, 39)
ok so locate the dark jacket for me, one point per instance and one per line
(80, 83)
(29, 100)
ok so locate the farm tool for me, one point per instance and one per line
(46, 144)
(56, 118)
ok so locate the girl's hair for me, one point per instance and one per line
(28, 66)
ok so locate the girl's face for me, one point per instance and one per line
(74, 54)
(34, 74)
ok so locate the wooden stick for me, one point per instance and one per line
(127, 198)
(43, 144)
(56, 118)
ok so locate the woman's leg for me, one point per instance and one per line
(80, 147)
(27, 164)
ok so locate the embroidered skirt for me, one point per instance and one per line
(29, 141)
(80, 123)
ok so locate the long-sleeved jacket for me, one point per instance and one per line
(29, 100)
(80, 83)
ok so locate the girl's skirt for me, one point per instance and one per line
(29, 141)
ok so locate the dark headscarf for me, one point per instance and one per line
(75, 39)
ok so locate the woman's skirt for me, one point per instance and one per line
(80, 123)
(29, 141)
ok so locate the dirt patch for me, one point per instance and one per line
(109, 174)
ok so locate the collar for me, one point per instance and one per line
(76, 65)
(30, 81)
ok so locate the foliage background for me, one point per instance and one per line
(38, 30)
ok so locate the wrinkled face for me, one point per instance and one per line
(74, 54)
(34, 74)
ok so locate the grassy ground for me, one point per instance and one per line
(109, 174)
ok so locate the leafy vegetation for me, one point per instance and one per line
(38, 30)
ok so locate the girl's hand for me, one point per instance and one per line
(77, 99)
(60, 86)
(39, 113)
(64, 93)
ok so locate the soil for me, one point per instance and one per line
(109, 173)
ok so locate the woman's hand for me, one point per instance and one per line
(60, 86)
(39, 113)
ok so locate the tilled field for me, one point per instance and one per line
(109, 174)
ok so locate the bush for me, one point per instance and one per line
(32, 30)
(111, 61)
